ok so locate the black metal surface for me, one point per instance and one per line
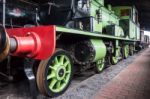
(85, 23)
(57, 12)
(84, 52)
(61, 12)
(29, 71)
(18, 13)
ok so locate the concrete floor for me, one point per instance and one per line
(132, 83)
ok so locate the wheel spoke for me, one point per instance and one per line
(64, 81)
(52, 84)
(51, 67)
(58, 84)
(67, 72)
(62, 59)
(52, 75)
(56, 60)
(66, 63)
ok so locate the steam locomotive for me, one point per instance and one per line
(57, 38)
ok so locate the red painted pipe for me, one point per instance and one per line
(29, 45)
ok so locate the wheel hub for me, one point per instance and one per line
(60, 73)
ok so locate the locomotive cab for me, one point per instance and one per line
(129, 21)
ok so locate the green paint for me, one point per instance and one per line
(119, 31)
(132, 30)
(59, 73)
(103, 16)
(100, 49)
(89, 34)
(115, 58)
(97, 26)
(101, 2)
(137, 33)
(100, 64)
(117, 44)
(109, 18)
(126, 51)
(128, 21)
(95, 13)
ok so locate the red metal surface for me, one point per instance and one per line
(29, 45)
(35, 42)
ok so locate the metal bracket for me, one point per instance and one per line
(28, 64)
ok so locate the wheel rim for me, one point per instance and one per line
(58, 74)
(126, 51)
(100, 64)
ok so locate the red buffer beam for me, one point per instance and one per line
(35, 42)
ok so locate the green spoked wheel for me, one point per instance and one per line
(126, 51)
(100, 65)
(54, 74)
(115, 58)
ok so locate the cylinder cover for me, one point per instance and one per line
(89, 51)
(100, 49)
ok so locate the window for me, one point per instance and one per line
(125, 12)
